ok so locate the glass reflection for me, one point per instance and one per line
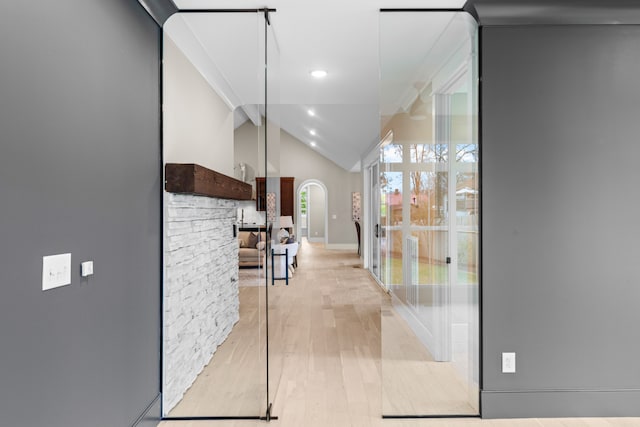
(272, 114)
(214, 362)
(429, 202)
(429, 153)
(391, 153)
(391, 219)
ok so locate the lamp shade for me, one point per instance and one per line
(286, 222)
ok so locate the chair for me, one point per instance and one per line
(358, 234)
(283, 268)
(291, 256)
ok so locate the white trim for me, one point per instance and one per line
(372, 218)
(366, 220)
(309, 213)
(315, 239)
(253, 112)
(319, 183)
(421, 331)
(377, 280)
(371, 159)
(373, 155)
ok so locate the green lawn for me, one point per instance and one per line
(429, 274)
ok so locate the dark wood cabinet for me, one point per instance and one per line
(286, 196)
(261, 194)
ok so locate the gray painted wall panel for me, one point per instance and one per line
(561, 119)
(79, 173)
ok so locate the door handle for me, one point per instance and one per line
(377, 231)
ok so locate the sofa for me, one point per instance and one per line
(251, 248)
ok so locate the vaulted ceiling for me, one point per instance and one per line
(344, 38)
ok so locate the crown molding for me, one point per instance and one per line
(554, 12)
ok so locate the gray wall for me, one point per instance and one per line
(561, 122)
(80, 173)
(316, 212)
(304, 163)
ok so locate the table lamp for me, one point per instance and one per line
(285, 222)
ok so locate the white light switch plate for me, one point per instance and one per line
(56, 271)
(508, 363)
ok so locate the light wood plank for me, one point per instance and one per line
(326, 354)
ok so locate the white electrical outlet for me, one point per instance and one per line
(508, 363)
(86, 268)
(56, 271)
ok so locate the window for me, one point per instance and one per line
(303, 202)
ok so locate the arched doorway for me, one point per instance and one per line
(312, 211)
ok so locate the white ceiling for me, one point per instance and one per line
(339, 36)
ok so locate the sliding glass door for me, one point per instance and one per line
(429, 193)
(374, 213)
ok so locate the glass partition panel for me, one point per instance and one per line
(281, 218)
(429, 328)
(374, 231)
(214, 320)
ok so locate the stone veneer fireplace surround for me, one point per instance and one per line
(200, 299)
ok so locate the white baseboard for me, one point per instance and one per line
(342, 246)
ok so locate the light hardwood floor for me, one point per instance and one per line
(325, 353)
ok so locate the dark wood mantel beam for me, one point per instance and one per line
(190, 178)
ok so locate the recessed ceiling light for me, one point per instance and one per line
(319, 74)
(312, 132)
(313, 144)
(311, 113)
